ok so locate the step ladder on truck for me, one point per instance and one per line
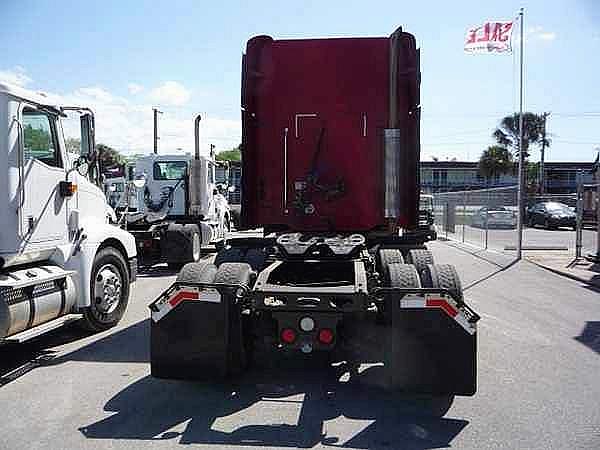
(60, 258)
(330, 172)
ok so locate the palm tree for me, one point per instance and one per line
(507, 134)
(495, 160)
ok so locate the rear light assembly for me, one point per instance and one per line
(307, 324)
(288, 336)
(325, 336)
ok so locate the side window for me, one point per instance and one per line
(39, 135)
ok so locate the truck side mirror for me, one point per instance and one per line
(82, 166)
(88, 144)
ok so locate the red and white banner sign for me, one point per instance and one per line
(491, 37)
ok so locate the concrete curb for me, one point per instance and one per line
(565, 274)
(503, 260)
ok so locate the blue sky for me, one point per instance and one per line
(123, 57)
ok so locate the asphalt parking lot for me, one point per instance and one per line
(539, 360)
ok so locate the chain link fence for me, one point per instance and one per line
(485, 218)
(588, 218)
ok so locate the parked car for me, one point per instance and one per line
(427, 216)
(552, 215)
(494, 217)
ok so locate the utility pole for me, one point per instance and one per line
(212, 151)
(156, 113)
(521, 189)
(542, 173)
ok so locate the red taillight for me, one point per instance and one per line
(288, 335)
(325, 336)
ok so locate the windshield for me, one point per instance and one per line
(169, 170)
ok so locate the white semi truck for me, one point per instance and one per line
(180, 208)
(60, 259)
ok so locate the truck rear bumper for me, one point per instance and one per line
(197, 332)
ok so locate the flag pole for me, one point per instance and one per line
(521, 188)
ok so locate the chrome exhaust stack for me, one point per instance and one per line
(195, 173)
(392, 139)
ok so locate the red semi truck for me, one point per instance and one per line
(331, 173)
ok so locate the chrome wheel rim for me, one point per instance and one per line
(108, 289)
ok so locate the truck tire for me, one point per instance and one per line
(241, 348)
(254, 256)
(234, 273)
(390, 256)
(443, 276)
(402, 276)
(397, 275)
(182, 244)
(387, 256)
(420, 258)
(197, 272)
(109, 288)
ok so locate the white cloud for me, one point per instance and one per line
(127, 125)
(547, 36)
(16, 76)
(170, 93)
(538, 32)
(135, 88)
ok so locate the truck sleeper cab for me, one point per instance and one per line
(330, 171)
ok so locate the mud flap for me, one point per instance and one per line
(432, 346)
(196, 333)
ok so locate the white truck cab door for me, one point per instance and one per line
(166, 175)
(44, 212)
(211, 189)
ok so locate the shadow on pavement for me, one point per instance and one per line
(131, 344)
(18, 359)
(192, 413)
(590, 336)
